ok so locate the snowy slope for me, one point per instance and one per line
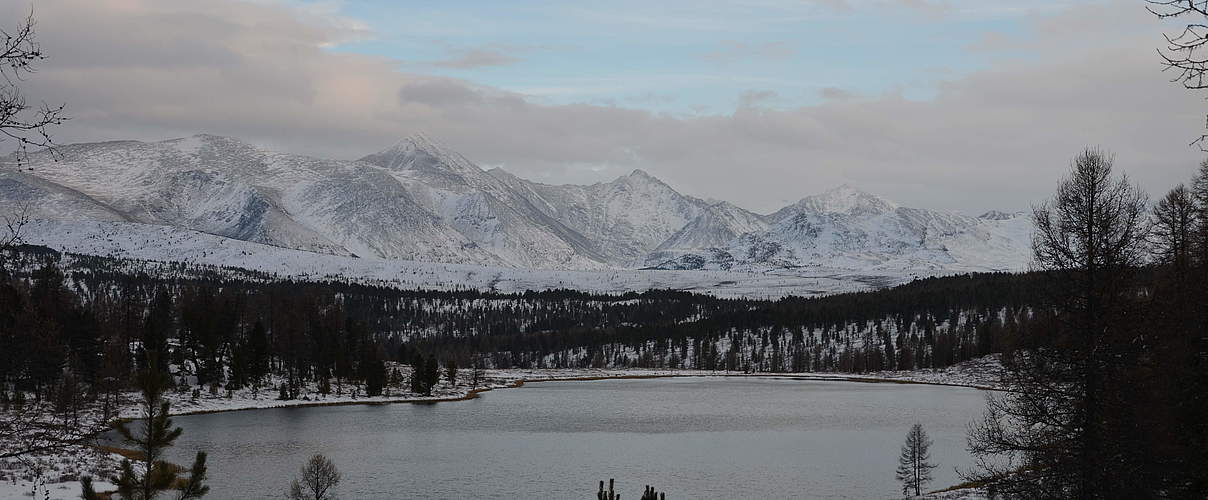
(717, 225)
(483, 208)
(419, 201)
(229, 188)
(147, 242)
(846, 228)
(626, 218)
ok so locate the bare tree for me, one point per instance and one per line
(1174, 225)
(1052, 434)
(1184, 54)
(914, 463)
(31, 428)
(1199, 194)
(319, 476)
(20, 121)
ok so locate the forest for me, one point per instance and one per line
(101, 321)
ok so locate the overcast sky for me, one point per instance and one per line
(960, 105)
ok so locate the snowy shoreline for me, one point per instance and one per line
(977, 374)
(512, 383)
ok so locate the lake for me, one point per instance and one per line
(692, 437)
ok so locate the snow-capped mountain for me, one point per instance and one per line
(846, 228)
(229, 188)
(483, 208)
(716, 226)
(626, 218)
(419, 201)
(844, 200)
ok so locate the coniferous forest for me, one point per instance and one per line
(231, 329)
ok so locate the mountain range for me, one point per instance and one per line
(419, 201)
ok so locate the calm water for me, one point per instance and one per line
(691, 437)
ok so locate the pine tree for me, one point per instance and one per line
(451, 371)
(373, 370)
(914, 463)
(155, 476)
(156, 330)
(431, 374)
(419, 383)
(476, 372)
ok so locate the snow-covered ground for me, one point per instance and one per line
(147, 242)
(59, 474)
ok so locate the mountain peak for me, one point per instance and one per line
(639, 176)
(418, 151)
(999, 215)
(417, 143)
(194, 142)
(848, 200)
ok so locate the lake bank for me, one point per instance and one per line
(973, 375)
(693, 436)
(978, 374)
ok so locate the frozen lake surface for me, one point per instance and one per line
(697, 437)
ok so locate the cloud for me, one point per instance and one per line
(835, 93)
(998, 138)
(476, 58)
(753, 98)
(437, 93)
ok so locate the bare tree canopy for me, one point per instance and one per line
(319, 476)
(1056, 432)
(1174, 225)
(1184, 53)
(19, 120)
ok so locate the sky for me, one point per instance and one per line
(958, 105)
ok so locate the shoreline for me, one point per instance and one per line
(520, 382)
(511, 379)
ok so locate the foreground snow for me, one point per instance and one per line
(58, 476)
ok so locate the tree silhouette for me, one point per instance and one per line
(319, 476)
(914, 463)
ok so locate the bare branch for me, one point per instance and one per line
(26, 124)
(1186, 53)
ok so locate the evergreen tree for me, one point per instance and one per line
(373, 370)
(451, 371)
(914, 462)
(157, 328)
(419, 384)
(156, 435)
(259, 355)
(431, 374)
(475, 372)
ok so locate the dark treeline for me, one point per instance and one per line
(933, 322)
(95, 321)
(78, 322)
